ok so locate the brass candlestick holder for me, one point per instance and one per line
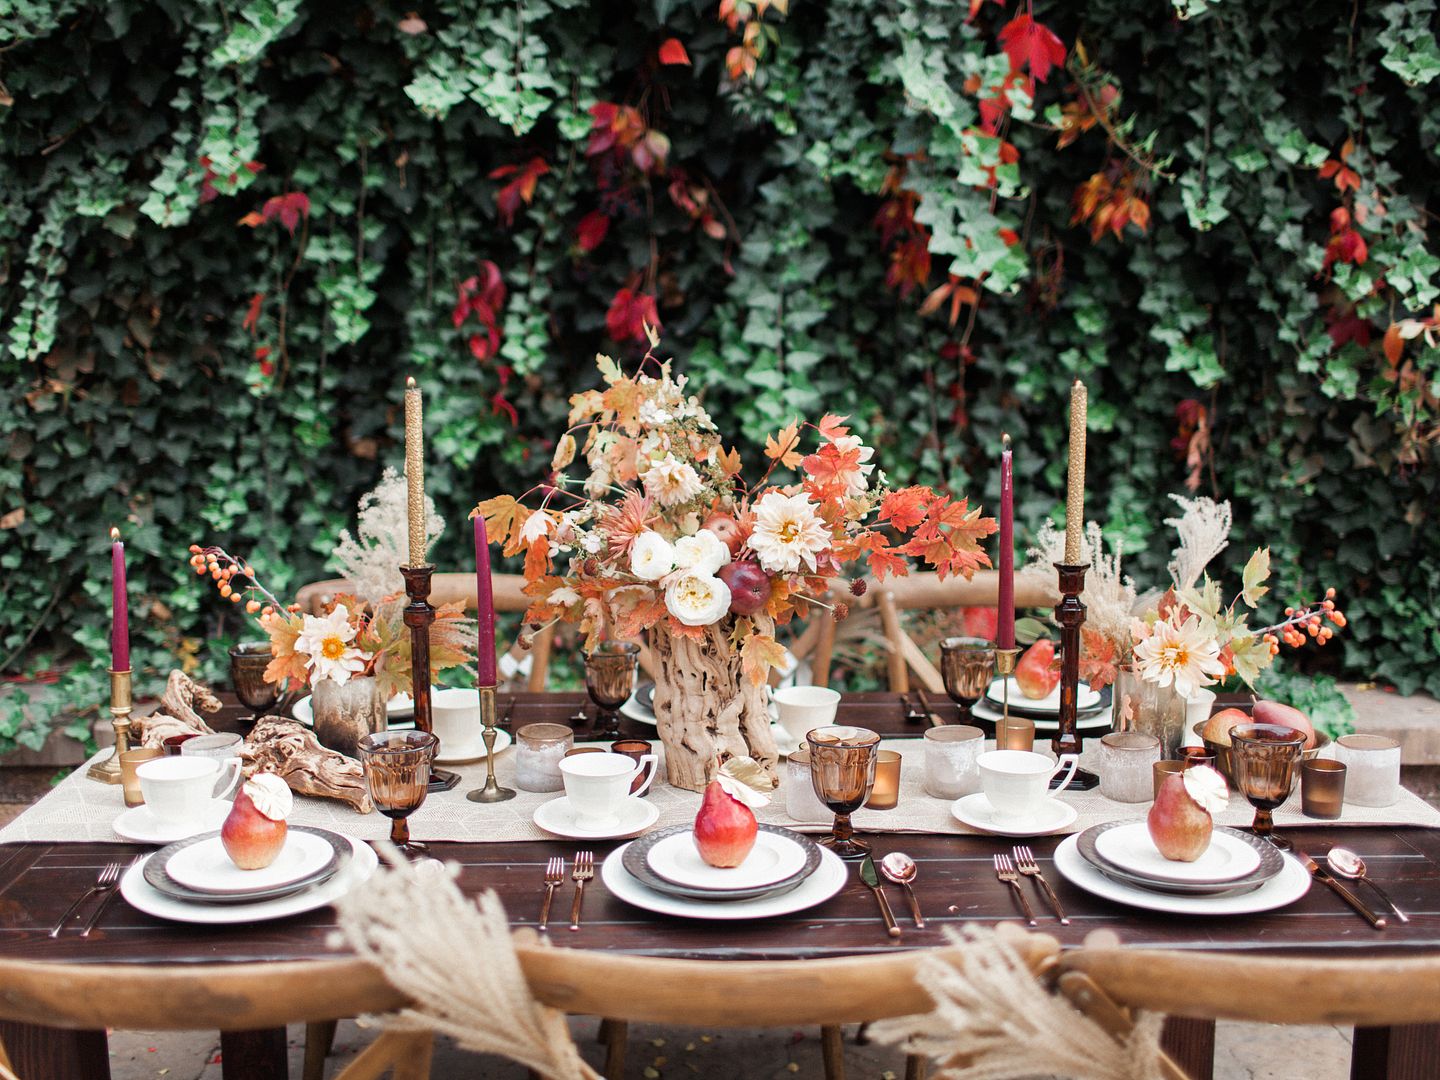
(1012, 732)
(1070, 613)
(492, 791)
(107, 770)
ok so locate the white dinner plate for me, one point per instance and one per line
(400, 707)
(464, 755)
(207, 867)
(773, 859)
(143, 896)
(1284, 888)
(1130, 848)
(1094, 722)
(820, 886)
(141, 826)
(975, 810)
(556, 816)
(1086, 698)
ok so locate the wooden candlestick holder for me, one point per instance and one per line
(1070, 613)
(418, 617)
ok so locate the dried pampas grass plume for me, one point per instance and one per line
(371, 561)
(1204, 528)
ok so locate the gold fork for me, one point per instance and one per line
(1005, 871)
(106, 895)
(104, 882)
(1028, 867)
(554, 875)
(583, 871)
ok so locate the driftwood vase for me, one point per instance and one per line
(706, 709)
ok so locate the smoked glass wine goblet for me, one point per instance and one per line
(1264, 759)
(967, 664)
(842, 771)
(397, 771)
(610, 680)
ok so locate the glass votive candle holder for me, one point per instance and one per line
(1191, 756)
(637, 750)
(1014, 733)
(1126, 758)
(950, 760)
(1372, 765)
(129, 762)
(538, 750)
(1162, 769)
(801, 802)
(584, 750)
(1322, 788)
(886, 791)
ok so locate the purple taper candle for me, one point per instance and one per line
(484, 606)
(119, 606)
(1005, 632)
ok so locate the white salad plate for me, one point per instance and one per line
(1086, 699)
(1284, 888)
(464, 755)
(820, 886)
(1130, 848)
(1095, 721)
(399, 707)
(637, 712)
(138, 824)
(975, 810)
(207, 867)
(558, 817)
(143, 896)
(773, 859)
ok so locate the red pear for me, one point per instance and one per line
(254, 831)
(1036, 672)
(1272, 712)
(1178, 824)
(725, 828)
(749, 586)
(1217, 728)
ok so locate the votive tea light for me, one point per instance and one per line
(538, 750)
(1162, 769)
(1126, 760)
(950, 755)
(1322, 788)
(1196, 755)
(637, 750)
(129, 782)
(1373, 768)
(801, 802)
(885, 793)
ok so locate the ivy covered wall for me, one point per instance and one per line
(229, 231)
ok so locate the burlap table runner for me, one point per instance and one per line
(81, 809)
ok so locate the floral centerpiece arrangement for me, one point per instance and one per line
(662, 537)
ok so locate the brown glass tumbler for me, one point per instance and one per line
(635, 750)
(1322, 788)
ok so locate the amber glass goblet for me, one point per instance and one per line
(248, 661)
(610, 680)
(397, 770)
(842, 771)
(967, 664)
(1264, 759)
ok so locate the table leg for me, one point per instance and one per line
(1403, 1052)
(1191, 1043)
(254, 1055)
(40, 1053)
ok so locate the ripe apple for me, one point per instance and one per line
(725, 828)
(1178, 824)
(1217, 728)
(254, 830)
(728, 530)
(1273, 712)
(1036, 672)
(749, 586)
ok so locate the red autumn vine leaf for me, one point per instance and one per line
(252, 312)
(1394, 344)
(1346, 244)
(629, 313)
(591, 230)
(289, 208)
(519, 190)
(672, 52)
(957, 293)
(909, 264)
(483, 296)
(1031, 44)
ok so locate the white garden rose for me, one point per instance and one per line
(703, 553)
(651, 556)
(697, 599)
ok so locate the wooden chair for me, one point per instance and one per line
(247, 997)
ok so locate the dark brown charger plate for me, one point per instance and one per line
(1271, 863)
(162, 882)
(638, 867)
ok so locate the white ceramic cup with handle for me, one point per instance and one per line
(455, 720)
(1017, 781)
(802, 709)
(597, 785)
(178, 789)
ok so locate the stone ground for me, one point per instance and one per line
(1242, 1051)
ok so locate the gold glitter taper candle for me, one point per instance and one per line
(415, 471)
(1075, 493)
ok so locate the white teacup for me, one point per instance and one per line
(178, 789)
(802, 709)
(455, 720)
(1017, 781)
(597, 785)
(222, 747)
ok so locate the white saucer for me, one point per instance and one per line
(463, 755)
(1286, 887)
(636, 815)
(785, 743)
(827, 880)
(143, 896)
(207, 867)
(1086, 698)
(139, 824)
(399, 707)
(1130, 848)
(975, 810)
(773, 859)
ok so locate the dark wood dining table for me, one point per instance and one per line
(39, 880)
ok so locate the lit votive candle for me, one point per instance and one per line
(886, 791)
(538, 750)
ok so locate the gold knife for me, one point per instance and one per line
(1316, 872)
(872, 879)
(935, 720)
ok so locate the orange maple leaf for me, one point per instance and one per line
(758, 655)
(905, 508)
(1097, 658)
(729, 461)
(502, 518)
(782, 447)
(832, 427)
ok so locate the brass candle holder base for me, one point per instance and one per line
(492, 791)
(1011, 732)
(107, 770)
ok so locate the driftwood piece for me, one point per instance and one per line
(292, 752)
(706, 709)
(176, 714)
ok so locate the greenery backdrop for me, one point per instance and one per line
(230, 229)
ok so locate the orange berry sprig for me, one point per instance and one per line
(1311, 620)
(235, 580)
